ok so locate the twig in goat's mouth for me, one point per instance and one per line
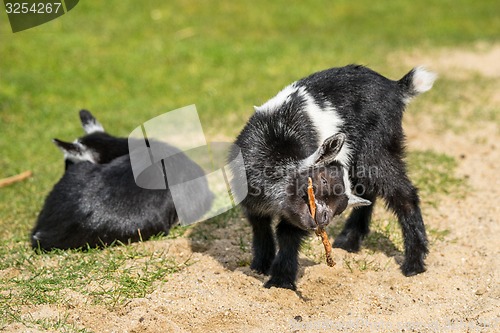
(321, 232)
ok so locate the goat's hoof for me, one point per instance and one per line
(279, 283)
(261, 267)
(412, 268)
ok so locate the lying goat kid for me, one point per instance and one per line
(97, 201)
(342, 127)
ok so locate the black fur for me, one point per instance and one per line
(279, 138)
(103, 142)
(97, 204)
(97, 201)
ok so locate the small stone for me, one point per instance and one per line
(480, 291)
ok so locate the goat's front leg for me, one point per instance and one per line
(285, 265)
(263, 246)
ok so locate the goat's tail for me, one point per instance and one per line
(417, 81)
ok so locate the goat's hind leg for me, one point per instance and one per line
(404, 201)
(263, 246)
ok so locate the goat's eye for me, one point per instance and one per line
(324, 182)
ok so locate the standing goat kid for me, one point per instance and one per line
(343, 128)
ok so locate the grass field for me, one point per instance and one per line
(129, 61)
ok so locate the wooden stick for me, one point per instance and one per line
(14, 179)
(321, 232)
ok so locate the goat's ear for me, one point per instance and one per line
(328, 150)
(355, 201)
(89, 123)
(67, 148)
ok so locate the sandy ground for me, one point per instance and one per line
(459, 293)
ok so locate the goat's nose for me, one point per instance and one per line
(322, 216)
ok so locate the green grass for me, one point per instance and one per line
(434, 174)
(58, 324)
(366, 263)
(129, 61)
(107, 277)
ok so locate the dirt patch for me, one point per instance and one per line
(217, 292)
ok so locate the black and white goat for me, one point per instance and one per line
(97, 201)
(343, 128)
(96, 146)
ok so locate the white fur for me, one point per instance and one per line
(423, 79)
(92, 127)
(347, 182)
(84, 155)
(327, 122)
(281, 98)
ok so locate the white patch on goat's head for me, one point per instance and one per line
(77, 152)
(327, 122)
(92, 127)
(423, 79)
(281, 98)
(86, 154)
